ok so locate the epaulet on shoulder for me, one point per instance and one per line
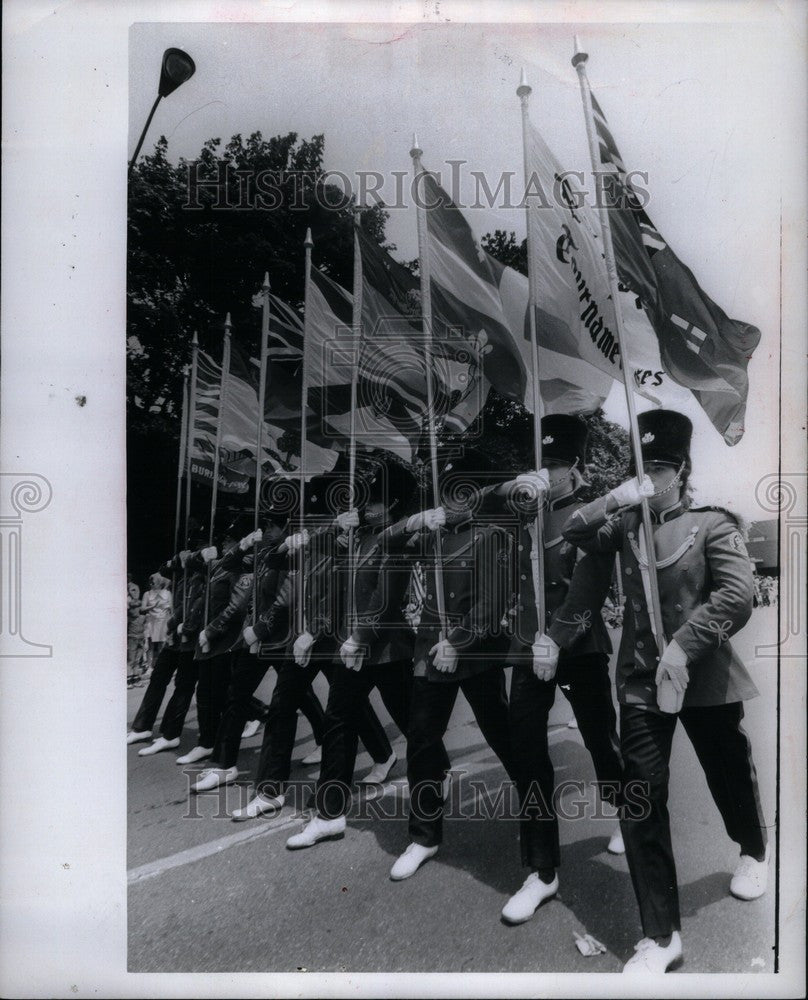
(736, 519)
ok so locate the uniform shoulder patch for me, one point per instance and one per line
(737, 542)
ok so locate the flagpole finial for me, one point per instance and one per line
(416, 148)
(308, 242)
(195, 339)
(265, 286)
(579, 56)
(524, 89)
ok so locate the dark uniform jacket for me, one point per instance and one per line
(273, 569)
(705, 584)
(382, 577)
(476, 586)
(188, 600)
(322, 599)
(222, 580)
(575, 583)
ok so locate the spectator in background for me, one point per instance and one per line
(156, 607)
(134, 630)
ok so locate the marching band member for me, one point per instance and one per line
(304, 656)
(213, 655)
(176, 658)
(476, 581)
(705, 585)
(377, 651)
(571, 651)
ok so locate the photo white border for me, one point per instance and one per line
(63, 762)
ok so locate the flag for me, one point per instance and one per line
(480, 307)
(239, 431)
(327, 370)
(393, 358)
(700, 346)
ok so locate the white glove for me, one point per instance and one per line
(302, 649)
(184, 556)
(209, 553)
(429, 519)
(545, 657)
(179, 629)
(672, 678)
(535, 483)
(352, 654)
(249, 636)
(255, 648)
(204, 642)
(445, 655)
(248, 541)
(348, 519)
(296, 541)
(630, 493)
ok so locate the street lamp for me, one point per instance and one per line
(177, 67)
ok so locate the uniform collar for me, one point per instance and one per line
(564, 501)
(668, 513)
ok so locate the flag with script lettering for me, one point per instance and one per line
(484, 304)
(700, 346)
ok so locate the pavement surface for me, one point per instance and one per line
(210, 895)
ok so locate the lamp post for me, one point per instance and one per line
(177, 67)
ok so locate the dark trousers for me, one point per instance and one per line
(347, 697)
(247, 673)
(275, 762)
(169, 663)
(211, 695)
(725, 754)
(427, 760)
(586, 685)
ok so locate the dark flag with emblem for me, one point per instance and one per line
(700, 346)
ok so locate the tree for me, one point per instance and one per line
(201, 235)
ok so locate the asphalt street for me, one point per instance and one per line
(210, 895)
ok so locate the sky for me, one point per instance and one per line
(693, 105)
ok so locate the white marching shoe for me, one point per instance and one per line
(251, 728)
(523, 904)
(213, 777)
(315, 757)
(651, 959)
(379, 772)
(616, 845)
(135, 737)
(411, 860)
(158, 746)
(751, 877)
(315, 830)
(259, 806)
(198, 753)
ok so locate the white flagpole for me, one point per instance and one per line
(263, 379)
(426, 315)
(308, 243)
(188, 454)
(215, 491)
(356, 346)
(579, 60)
(181, 459)
(523, 92)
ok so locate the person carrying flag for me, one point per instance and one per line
(571, 651)
(376, 653)
(705, 585)
(304, 655)
(176, 658)
(475, 574)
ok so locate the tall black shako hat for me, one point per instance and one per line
(280, 501)
(564, 439)
(386, 480)
(665, 437)
(468, 464)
